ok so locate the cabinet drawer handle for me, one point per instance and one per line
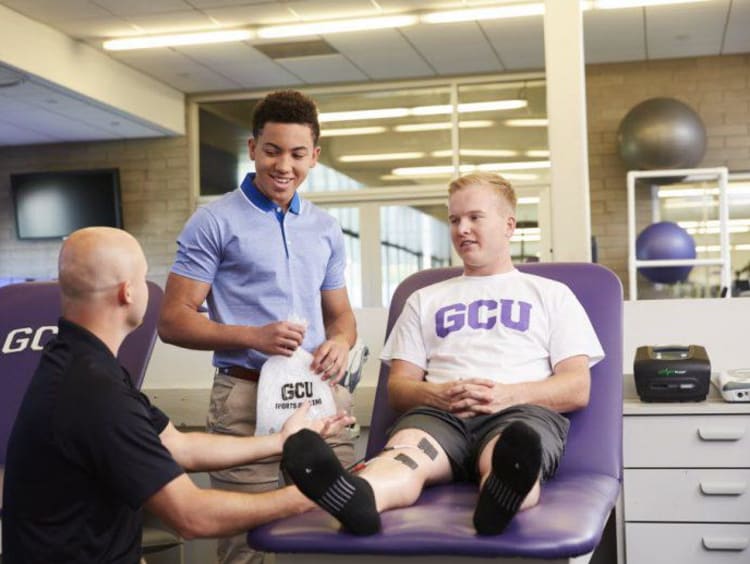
(723, 488)
(725, 543)
(720, 433)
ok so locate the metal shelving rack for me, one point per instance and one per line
(725, 261)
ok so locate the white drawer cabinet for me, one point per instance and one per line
(686, 482)
(686, 441)
(688, 543)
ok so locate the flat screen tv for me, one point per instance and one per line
(51, 205)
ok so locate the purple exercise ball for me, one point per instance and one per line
(665, 240)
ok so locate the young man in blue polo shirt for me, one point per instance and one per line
(263, 258)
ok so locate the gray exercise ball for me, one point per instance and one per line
(661, 133)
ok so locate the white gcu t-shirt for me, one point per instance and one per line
(510, 327)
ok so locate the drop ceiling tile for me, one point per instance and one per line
(258, 74)
(255, 15)
(221, 53)
(30, 92)
(201, 79)
(155, 61)
(176, 70)
(109, 27)
(124, 128)
(52, 124)
(458, 48)
(614, 35)
(13, 135)
(323, 69)
(409, 5)
(202, 4)
(737, 37)
(685, 30)
(139, 7)
(519, 42)
(173, 22)
(47, 11)
(330, 9)
(382, 54)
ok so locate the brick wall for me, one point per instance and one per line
(155, 198)
(717, 88)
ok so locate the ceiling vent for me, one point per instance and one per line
(296, 49)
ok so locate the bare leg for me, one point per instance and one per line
(411, 460)
(393, 479)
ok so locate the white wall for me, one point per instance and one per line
(720, 325)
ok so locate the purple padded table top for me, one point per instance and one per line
(568, 523)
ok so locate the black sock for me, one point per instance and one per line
(516, 461)
(313, 467)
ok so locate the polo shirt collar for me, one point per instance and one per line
(260, 200)
(83, 335)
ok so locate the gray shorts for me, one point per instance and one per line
(464, 439)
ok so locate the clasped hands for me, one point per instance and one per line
(475, 396)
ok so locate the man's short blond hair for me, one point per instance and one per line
(495, 181)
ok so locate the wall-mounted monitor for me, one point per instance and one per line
(51, 205)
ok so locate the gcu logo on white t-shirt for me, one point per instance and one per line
(482, 314)
(18, 340)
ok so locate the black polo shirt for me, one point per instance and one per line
(83, 457)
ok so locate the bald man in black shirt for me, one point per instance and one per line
(88, 451)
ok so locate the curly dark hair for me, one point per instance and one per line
(286, 106)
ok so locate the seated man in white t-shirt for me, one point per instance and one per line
(483, 366)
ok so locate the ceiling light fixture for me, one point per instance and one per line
(717, 230)
(529, 200)
(732, 191)
(441, 125)
(177, 39)
(443, 170)
(527, 122)
(336, 26)
(476, 153)
(473, 14)
(537, 153)
(717, 248)
(347, 131)
(364, 24)
(522, 176)
(497, 105)
(524, 165)
(380, 157)
(442, 109)
(518, 177)
(711, 223)
(357, 115)
(447, 169)
(617, 4)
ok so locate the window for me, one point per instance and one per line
(387, 155)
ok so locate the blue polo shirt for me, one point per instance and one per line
(263, 265)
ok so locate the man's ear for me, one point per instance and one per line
(125, 292)
(315, 155)
(510, 226)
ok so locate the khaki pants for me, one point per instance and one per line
(232, 412)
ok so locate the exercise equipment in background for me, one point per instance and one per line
(665, 240)
(661, 133)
